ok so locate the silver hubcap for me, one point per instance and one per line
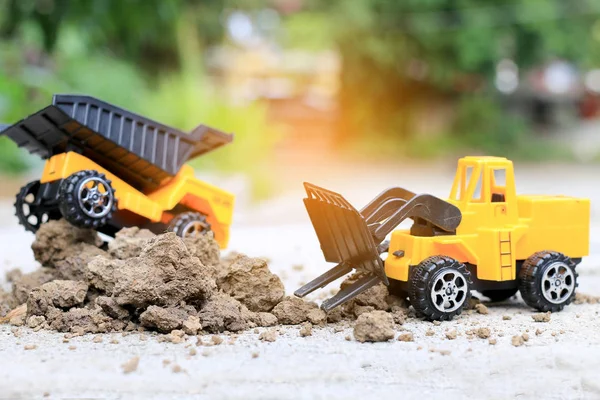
(449, 290)
(558, 283)
(194, 228)
(95, 197)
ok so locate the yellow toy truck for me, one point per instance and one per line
(485, 237)
(108, 168)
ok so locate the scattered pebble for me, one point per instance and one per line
(270, 335)
(30, 347)
(406, 337)
(506, 317)
(481, 309)
(217, 340)
(131, 365)
(97, 339)
(541, 317)
(255, 354)
(451, 335)
(492, 341)
(193, 352)
(517, 340)
(177, 369)
(483, 333)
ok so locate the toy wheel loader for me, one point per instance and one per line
(108, 168)
(484, 237)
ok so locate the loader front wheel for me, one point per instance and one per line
(189, 224)
(87, 199)
(439, 288)
(547, 281)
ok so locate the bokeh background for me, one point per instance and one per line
(319, 88)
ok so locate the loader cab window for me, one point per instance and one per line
(498, 185)
(470, 178)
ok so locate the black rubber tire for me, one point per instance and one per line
(41, 213)
(531, 275)
(499, 295)
(180, 224)
(69, 204)
(421, 283)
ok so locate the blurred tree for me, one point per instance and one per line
(142, 31)
(397, 55)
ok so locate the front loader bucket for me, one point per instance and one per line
(346, 240)
(353, 239)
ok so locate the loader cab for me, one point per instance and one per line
(484, 191)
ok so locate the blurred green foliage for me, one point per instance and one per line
(398, 58)
(147, 59)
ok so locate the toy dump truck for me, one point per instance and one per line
(108, 168)
(485, 237)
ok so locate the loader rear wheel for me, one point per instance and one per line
(548, 281)
(189, 224)
(439, 288)
(87, 199)
(499, 295)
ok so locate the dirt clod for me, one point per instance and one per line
(129, 242)
(163, 274)
(305, 329)
(294, 311)
(250, 281)
(222, 312)
(542, 317)
(375, 326)
(163, 319)
(57, 240)
(58, 293)
(192, 325)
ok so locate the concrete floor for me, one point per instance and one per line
(560, 363)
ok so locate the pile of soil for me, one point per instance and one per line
(144, 281)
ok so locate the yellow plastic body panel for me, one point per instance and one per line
(494, 235)
(183, 189)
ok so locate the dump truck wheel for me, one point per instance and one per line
(189, 224)
(32, 215)
(87, 199)
(439, 288)
(548, 281)
(499, 295)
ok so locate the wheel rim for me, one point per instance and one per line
(95, 197)
(449, 290)
(558, 283)
(194, 228)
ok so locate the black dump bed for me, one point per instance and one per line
(136, 149)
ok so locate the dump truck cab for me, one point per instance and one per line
(484, 237)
